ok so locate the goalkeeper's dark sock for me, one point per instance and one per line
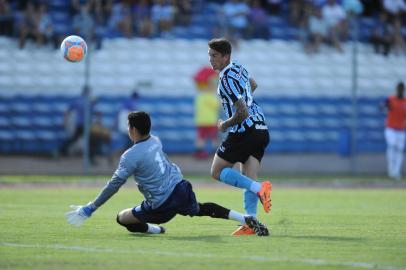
(137, 227)
(213, 210)
(142, 227)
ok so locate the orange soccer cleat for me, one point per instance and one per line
(243, 230)
(265, 195)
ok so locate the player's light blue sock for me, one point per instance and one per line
(250, 203)
(233, 178)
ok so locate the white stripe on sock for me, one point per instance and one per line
(236, 216)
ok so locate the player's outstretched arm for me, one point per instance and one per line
(253, 84)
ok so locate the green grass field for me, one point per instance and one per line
(312, 228)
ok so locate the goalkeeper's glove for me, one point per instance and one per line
(80, 213)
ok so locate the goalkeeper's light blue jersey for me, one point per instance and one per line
(154, 174)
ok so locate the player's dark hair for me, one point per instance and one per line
(220, 45)
(140, 121)
(401, 85)
(400, 90)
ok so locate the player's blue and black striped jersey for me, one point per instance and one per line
(233, 85)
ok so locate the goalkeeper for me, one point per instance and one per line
(160, 181)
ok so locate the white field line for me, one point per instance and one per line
(320, 262)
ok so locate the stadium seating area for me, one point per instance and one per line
(306, 98)
(124, 64)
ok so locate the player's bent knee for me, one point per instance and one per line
(215, 174)
(126, 217)
(118, 220)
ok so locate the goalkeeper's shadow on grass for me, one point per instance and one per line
(206, 238)
(321, 237)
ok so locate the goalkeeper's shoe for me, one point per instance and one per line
(256, 226)
(265, 195)
(243, 230)
(163, 230)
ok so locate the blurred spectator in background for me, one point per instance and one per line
(398, 40)
(27, 24)
(317, 31)
(101, 11)
(74, 122)
(45, 31)
(381, 38)
(84, 25)
(6, 19)
(394, 8)
(142, 19)
(298, 14)
(258, 21)
(353, 7)
(120, 21)
(236, 15)
(163, 16)
(184, 12)
(371, 7)
(274, 6)
(335, 17)
(206, 111)
(99, 139)
(395, 131)
(130, 104)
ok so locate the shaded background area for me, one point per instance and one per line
(322, 101)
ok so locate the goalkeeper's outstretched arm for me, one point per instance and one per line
(109, 190)
(80, 213)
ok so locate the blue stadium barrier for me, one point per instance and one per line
(34, 124)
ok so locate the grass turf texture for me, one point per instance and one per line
(311, 229)
(312, 180)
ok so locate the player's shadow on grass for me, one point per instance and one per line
(321, 237)
(206, 238)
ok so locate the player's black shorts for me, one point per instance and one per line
(238, 147)
(181, 201)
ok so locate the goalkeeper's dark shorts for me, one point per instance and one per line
(182, 201)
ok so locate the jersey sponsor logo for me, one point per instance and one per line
(225, 84)
(257, 126)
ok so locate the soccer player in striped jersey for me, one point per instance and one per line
(247, 131)
(161, 182)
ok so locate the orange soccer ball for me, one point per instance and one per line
(74, 48)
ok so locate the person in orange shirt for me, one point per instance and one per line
(395, 131)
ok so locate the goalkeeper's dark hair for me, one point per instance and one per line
(140, 121)
(220, 45)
